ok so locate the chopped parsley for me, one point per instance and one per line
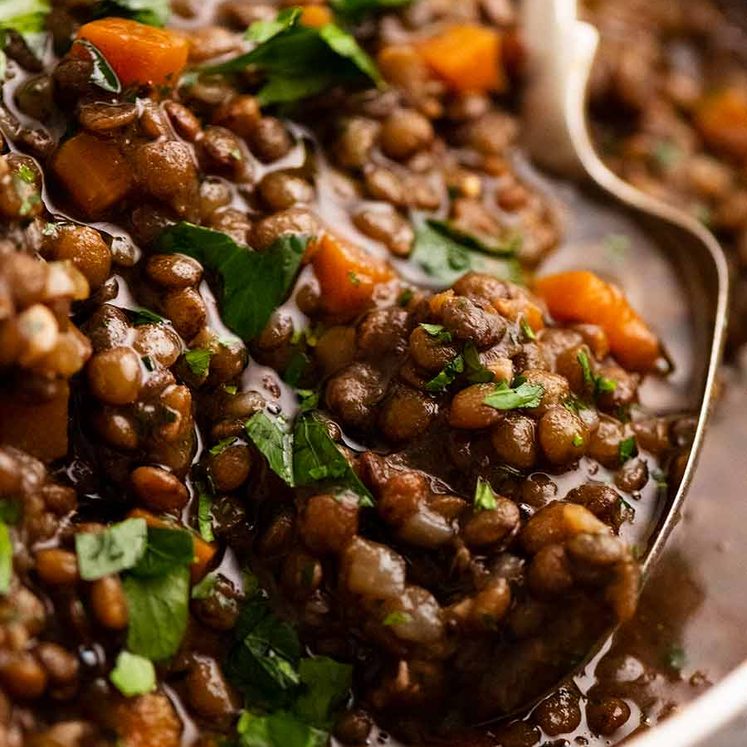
(597, 384)
(253, 284)
(578, 441)
(504, 397)
(205, 514)
(133, 675)
(355, 10)
(485, 497)
(476, 372)
(150, 12)
(627, 449)
(446, 258)
(298, 62)
(447, 376)
(222, 445)
(675, 658)
(526, 329)
(437, 331)
(198, 361)
(138, 317)
(102, 74)
(6, 558)
(274, 442)
(116, 548)
(397, 617)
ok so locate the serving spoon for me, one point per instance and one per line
(561, 50)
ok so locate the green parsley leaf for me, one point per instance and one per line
(138, 317)
(437, 331)
(397, 617)
(504, 397)
(116, 548)
(354, 11)
(667, 154)
(204, 588)
(675, 658)
(166, 549)
(308, 400)
(526, 329)
(150, 12)
(198, 360)
(133, 675)
(317, 458)
(326, 686)
(6, 558)
(274, 442)
(446, 377)
(405, 297)
(627, 449)
(205, 514)
(222, 445)
(102, 74)
(263, 663)
(11, 511)
(477, 373)
(298, 61)
(158, 610)
(598, 384)
(24, 16)
(279, 729)
(446, 258)
(451, 230)
(578, 441)
(485, 497)
(262, 31)
(253, 283)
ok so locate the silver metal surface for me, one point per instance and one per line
(561, 52)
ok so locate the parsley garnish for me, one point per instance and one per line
(446, 258)
(598, 384)
(6, 558)
(526, 329)
(397, 617)
(198, 360)
(222, 445)
(102, 74)
(253, 284)
(355, 10)
(298, 61)
(116, 548)
(150, 12)
(145, 316)
(485, 498)
(504, 397)
(273, 440)
(627, 449)
(446, 377)
(438, 331)
(205, 513)
(477, 373)
(133, 675)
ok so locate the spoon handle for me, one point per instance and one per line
(560, 51)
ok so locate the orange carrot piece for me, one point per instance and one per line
(137, 53)
(581, 296)
(347, 275)
(721, 119)
(316, 16)
(204, 551)
(94, 172)
(467, 57)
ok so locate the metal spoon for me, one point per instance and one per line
(561, 51)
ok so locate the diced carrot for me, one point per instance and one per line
(94, 172)
(581, 296)
(721, 119)
(467, 57)
(521, 308)
(204, 551)
(347, 275)
(137, 53)
(316, 16)
(40, 428)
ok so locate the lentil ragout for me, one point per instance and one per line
(291, 438)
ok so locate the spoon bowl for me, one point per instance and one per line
(561, 50)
